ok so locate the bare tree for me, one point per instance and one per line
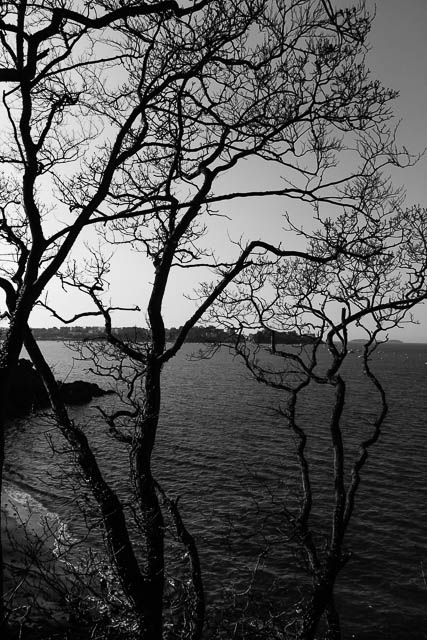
(49, 54)
(129, 120)
(317, 305)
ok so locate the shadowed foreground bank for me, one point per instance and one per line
(53, 588)
(35, 602)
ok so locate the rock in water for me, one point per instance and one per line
(80, 392)
(27, 392)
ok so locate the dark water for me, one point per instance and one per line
(226, 452)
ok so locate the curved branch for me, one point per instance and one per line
(83, 314)
(238, 267)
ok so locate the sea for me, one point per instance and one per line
(224, 449)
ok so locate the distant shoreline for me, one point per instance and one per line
(363, 340)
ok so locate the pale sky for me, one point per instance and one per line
(398, 59)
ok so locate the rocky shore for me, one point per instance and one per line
(27, 392)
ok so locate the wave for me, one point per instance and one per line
(24, 512)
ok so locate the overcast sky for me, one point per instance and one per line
(398, 59)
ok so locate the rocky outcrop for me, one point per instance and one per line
(27, 392)
(80, 392)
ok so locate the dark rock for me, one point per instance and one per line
(80, 392)
(27, 392)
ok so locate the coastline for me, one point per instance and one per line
(33, 585)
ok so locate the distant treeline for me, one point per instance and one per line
(140, 334)
(266, 336)
(136, 334)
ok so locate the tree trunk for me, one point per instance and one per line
(320, 602)
(138, 590)
(145, 489)
(9, 354)
(153, 531)
(333, 630)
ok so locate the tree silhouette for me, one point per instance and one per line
(126, 119)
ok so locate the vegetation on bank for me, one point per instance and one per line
(198, 334)
(134, 334)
